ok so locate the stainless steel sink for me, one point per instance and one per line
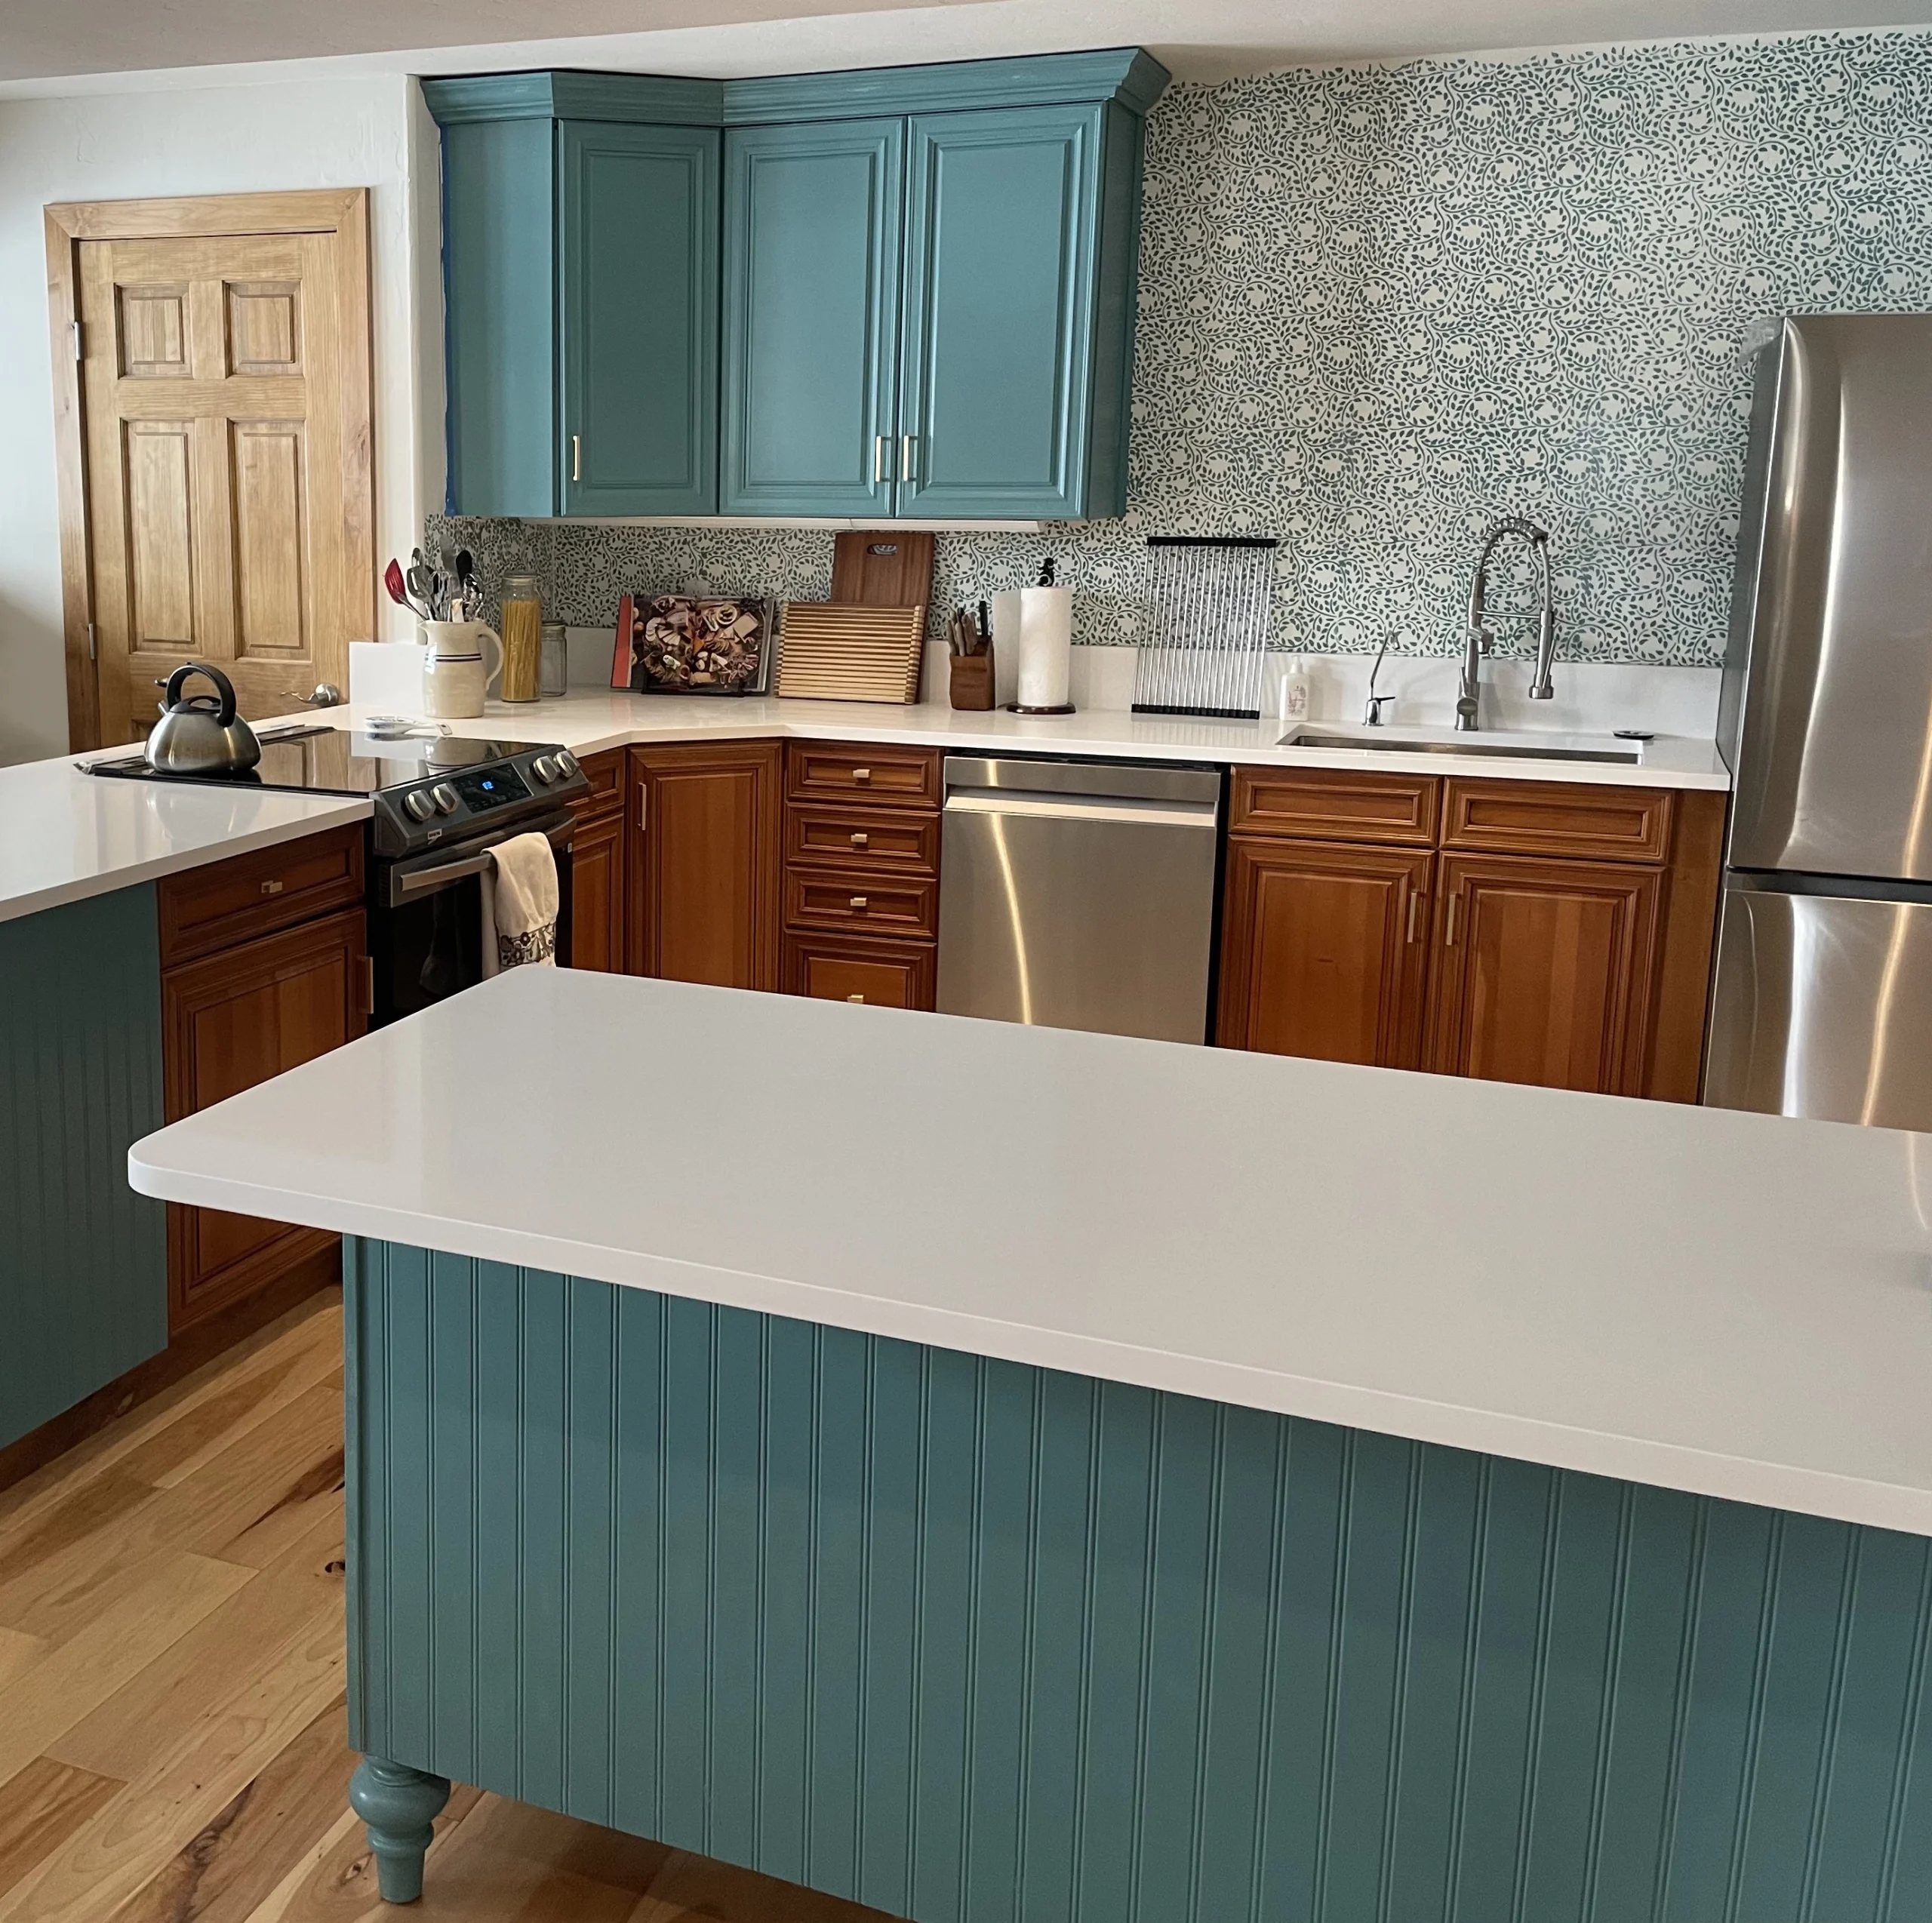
(1378, 743)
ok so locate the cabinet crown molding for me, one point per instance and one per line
(1128, 76)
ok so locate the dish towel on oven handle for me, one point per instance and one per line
(520, 905)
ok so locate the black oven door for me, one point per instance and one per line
(425, 918)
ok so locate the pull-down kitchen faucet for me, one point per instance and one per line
(1478, 641)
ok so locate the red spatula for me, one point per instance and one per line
(392, 580)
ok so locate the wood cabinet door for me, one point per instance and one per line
(703, 884)
(597, 896)
(639, 308)
(1323, 952)
(228, 1021)
(998, 359)
(812, 242)
(1542, 972)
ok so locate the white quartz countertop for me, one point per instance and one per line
(1736, 1305)
(65, 835)
(588, 721)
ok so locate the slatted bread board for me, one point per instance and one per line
(834, 650)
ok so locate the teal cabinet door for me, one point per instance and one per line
(499, 195)
(638, 319)
(812, 221)
(1010, 404)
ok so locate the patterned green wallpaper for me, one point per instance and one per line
(1379, 306)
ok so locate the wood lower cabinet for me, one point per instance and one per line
(1543, 972)
(887, 975)
(1553, 932)
(230, 1020)
(1324, 952)
(598, 868)
(703, 887)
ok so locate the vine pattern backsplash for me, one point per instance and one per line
(1380, 306)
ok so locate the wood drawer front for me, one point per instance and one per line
(1314, 804)
(846, 838)
(1558, 818)
(885, 904)
(213, 908)
(605, 774)
(887, 777)
(887, 975)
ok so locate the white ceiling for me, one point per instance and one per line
(57, 46)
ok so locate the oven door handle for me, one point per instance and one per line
(404, 882)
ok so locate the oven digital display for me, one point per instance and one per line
(491, 787)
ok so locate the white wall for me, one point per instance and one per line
(368, 131)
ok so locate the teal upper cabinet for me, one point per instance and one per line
(901, 291)
(580, 224)
(1012, 404)
(637, 319)
(812, 223)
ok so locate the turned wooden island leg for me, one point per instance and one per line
(397, 1804)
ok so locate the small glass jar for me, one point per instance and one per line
(556, 669)
(523, 625)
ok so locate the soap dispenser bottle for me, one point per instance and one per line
(1294, 691)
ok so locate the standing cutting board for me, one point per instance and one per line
(880, 567)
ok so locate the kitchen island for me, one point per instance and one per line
(985, 1471)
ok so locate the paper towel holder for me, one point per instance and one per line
(1062, 708)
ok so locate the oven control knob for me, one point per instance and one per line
(445, 797)
(566, 763)
(418, 803)
(545, 769)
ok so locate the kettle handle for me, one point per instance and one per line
(224, 687)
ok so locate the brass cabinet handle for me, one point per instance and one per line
(908, 446)
(859, 841)
(271, 888)
(855, 997)
(1449, 926)
(880, 444)
(862, 775)
(576, 457)
(858, 901)
(1415, 902)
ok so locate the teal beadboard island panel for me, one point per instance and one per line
(83, 1259)
(969, 1641)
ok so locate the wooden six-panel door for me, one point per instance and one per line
(702, 897)
(1324, 952)
(1543, 971)
(223, 390)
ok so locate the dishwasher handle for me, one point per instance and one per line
(1081, 807)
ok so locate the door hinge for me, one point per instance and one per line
(74, 334)
(94, 646)
(368, 984)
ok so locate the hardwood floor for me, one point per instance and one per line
(172, 1721)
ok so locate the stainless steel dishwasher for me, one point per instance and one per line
(1078, 895)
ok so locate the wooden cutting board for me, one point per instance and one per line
(882, 567)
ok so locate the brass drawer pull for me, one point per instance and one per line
(855, 997)
(1415, 901)
(271, 888)
(1449, 928)
(862, 775)
(859, 839)
(858, 901)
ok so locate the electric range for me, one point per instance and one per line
(427, 790)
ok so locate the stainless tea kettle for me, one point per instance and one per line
(201, 735)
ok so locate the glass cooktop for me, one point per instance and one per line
(333, 760)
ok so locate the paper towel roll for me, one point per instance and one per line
(1046, 646)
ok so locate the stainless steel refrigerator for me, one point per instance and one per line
(1822, 1001)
